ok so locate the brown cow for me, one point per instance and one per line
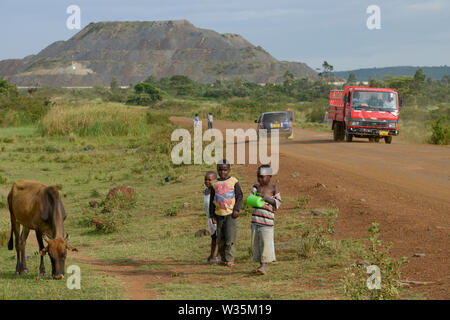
(38, 207)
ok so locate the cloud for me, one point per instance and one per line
(431, 5)
(263, 14)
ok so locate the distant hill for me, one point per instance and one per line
(132, 51)
(435, 73)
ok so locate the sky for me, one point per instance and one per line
(412, 32)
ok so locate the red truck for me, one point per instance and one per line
(364, 112)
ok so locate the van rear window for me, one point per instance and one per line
(276, 117)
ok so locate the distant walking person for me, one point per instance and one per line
(196, 120)
(210, 120)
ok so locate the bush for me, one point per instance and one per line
(315, 238)
(318, 109)
(22, 109)
(171, 211)
(111, 222)
(120, 201)
(145, 94)
(355, 283)
(440, 132)
(8, 89)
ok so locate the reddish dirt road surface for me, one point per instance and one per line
(405, 187)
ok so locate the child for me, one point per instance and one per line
(196, 120)
(210, 177)
(210, 120)
(263, 249)
(225, 204)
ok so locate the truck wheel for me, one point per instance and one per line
(336, 132)
(348, 137)
(341, 131)
(377, 139)
(388, 139)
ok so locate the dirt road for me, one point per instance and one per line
(403, 186)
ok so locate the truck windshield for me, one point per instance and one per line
(371, 100)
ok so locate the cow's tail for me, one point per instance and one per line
(11, 239)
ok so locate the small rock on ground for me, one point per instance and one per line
(201, 233)
(417, 255)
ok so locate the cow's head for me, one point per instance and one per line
(57, 250)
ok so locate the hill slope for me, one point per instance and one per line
(435, 73)
(132, 51)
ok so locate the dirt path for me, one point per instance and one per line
(134, 280)
(403, 186)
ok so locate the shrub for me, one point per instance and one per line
(22, 109)
(145, 94)
(120, 201)
(111, 222)
(302, 201)
(315, 238)
(171, 211)
(355, 283)
(440, 132)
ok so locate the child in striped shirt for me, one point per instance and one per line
(263, 248)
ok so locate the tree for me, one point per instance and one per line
(440, 132)
(288, 81)
(150, 79)
(375, 83)
(351, 78)
(145, 94)
(326, 70)
(8, 89)
(419, 79)
(114, 85)
(182, 85)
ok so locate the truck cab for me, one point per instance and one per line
(364, 112)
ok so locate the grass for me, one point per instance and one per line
(94, 119)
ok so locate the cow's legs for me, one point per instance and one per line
(16, 230)
(41, 246)
(23, 242)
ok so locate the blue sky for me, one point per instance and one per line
(414, 32)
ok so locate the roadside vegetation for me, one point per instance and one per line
(376, 256)
(424, 118)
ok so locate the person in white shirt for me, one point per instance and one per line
(210, 120)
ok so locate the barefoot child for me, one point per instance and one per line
(225, 204)
(210, 177)
(263, 249)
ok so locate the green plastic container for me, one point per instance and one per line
(254, 200)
